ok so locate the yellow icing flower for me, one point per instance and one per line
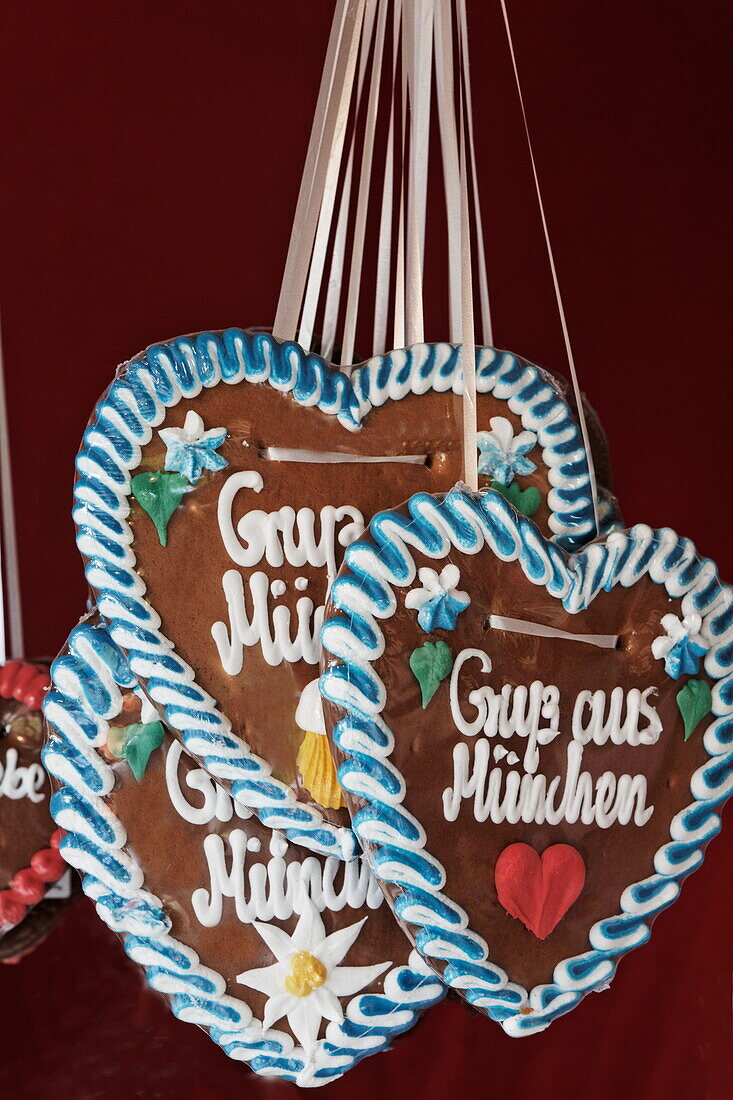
(314, 759)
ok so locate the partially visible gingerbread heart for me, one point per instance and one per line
(220, 481)
(29, 859)
(291, 961)
(539, 890)
(491, 698)
(39, 922)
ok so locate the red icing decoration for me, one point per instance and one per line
(12, 909)
(536, 890)
(28, 684)
(24, 682)
(27, 886)
(47, 865)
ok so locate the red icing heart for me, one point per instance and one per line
(539, 890)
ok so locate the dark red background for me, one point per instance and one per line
(151, 157)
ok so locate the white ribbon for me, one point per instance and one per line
(555, 283)
(445, 81)
(338, 254)
(421, 29)
(357, 255)
(419, 77)
(331, 169)
(487, 336)
(468, 342)
(299, 252)
(326, 137)
(9, 567)
(293, 454)
(398, 334)
(384, 251)
(539, 630)
(417, 27)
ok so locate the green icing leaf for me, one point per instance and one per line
(695, 701)
(430, 664)
(159, 494)
(136, 744)
(526, 501)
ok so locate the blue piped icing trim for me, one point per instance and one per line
(123, 423)
(86, 697)
(365, 595)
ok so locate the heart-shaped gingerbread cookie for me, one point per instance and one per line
(219, 482)
(29, 860)
(536, 745)
(291, 961)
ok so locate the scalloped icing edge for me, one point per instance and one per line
(398, 852)
(123, 422)
(85, 698)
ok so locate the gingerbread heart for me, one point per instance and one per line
(219, 482)
(36, 927)
(499, 693)
(29, 860)
(291, 961)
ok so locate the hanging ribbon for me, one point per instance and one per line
(384, 249)
(359, 38)
(487, 336)
(357, 255)
(458, 211)
(420, 29)
(555, 283)
(10, 606)
(468, 342)
(325, 144)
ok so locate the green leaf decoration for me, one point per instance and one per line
(526, 501)
(135, 744)
(695, 701)
(159, 494)
(430, 664)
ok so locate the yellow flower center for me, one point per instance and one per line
(306, 974)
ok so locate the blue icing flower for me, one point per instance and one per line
(190, 450)
(502, 453)
(682, 646)
(439, 602)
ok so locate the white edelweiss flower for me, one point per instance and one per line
(438, 602)
(435, 585)
(502, 433)
(306, 982)
(677, 630)
(191, 432)
(682, 646)
(504, 454)
(190, 450)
